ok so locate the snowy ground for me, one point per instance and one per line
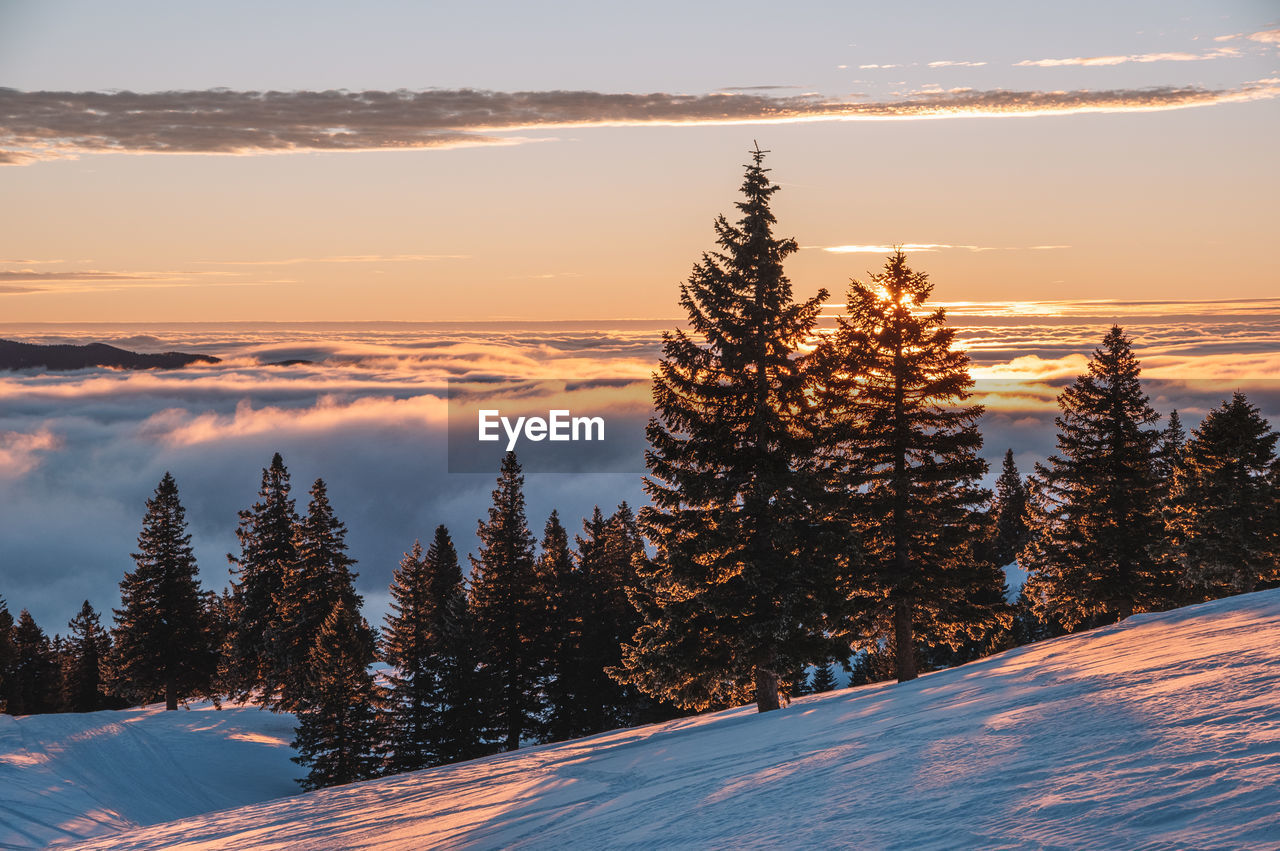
(66, 777)
(1160, 732)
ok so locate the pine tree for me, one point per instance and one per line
(510, 615)
(1169, 454)
(1221, 512)
(564, 586)
(8, 656)
(734, 599)
(36, 682)
(339, 736)
(319, 578)
(903, 448)
(88, 646)
(252, 658)
(823, 679)
(433, 702)
(1010, 510)
(1094, 506)
(162, 638)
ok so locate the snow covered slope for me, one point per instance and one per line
(65, 777)
(1162, 731)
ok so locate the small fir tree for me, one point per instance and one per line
(340, 735)
(1009, 507)
(35, 677)
(1221, 513)
(824, 679)
(8, 655)
(510, 613)
(253, 654)
(88, 646)
(432, 713)
(1096, 543)
(319, 578)
(162, 643)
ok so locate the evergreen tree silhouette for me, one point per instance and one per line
(319, 578)
(162, 643)
(340, 732)
(35, 678)
(253, 659)
(510, 613)
(902, 446)
(734, 598)
(88, 646)
(1222, 517)
(1095, 551)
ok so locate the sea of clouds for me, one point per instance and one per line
(81, 451)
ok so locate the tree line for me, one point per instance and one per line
(816, 501)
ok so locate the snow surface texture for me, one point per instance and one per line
(67, 777)
(1159, 732)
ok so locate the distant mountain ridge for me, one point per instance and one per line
(15, 355)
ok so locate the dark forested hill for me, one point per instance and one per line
(14, 355)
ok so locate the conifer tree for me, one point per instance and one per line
(1094, 507)
(434, 689)
(823, 679)
(340, 735)
(319, 578)
(162, 643)
(510, 614)
(8, 655)
(902, 445)
(1010, 510)
(1221, 512)
(87, 648)
(563, 585)
(1169, 454)
(35, 685)
(252, 658)
(734, 599)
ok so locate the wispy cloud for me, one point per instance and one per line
(342, 258)
(946, 63)
(1266, 36)
(26, 281)
(1218, 53)
(927, 246)
(44, 125)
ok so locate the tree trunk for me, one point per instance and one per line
(170, 695)
(766, 690)
(904, 641)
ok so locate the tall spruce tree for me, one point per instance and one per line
(8, 655)
(340, 735)
(35, 678)
(162, 641)
(1221, 513)
(1095, 551)
(902, 446)
(734, 598)
(433, 715)
(319, 578)
(252, 657)
(564, 586)
(87, 648)
(510, 613)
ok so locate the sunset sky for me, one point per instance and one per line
(565, 161)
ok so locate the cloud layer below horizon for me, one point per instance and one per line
(44, 125)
